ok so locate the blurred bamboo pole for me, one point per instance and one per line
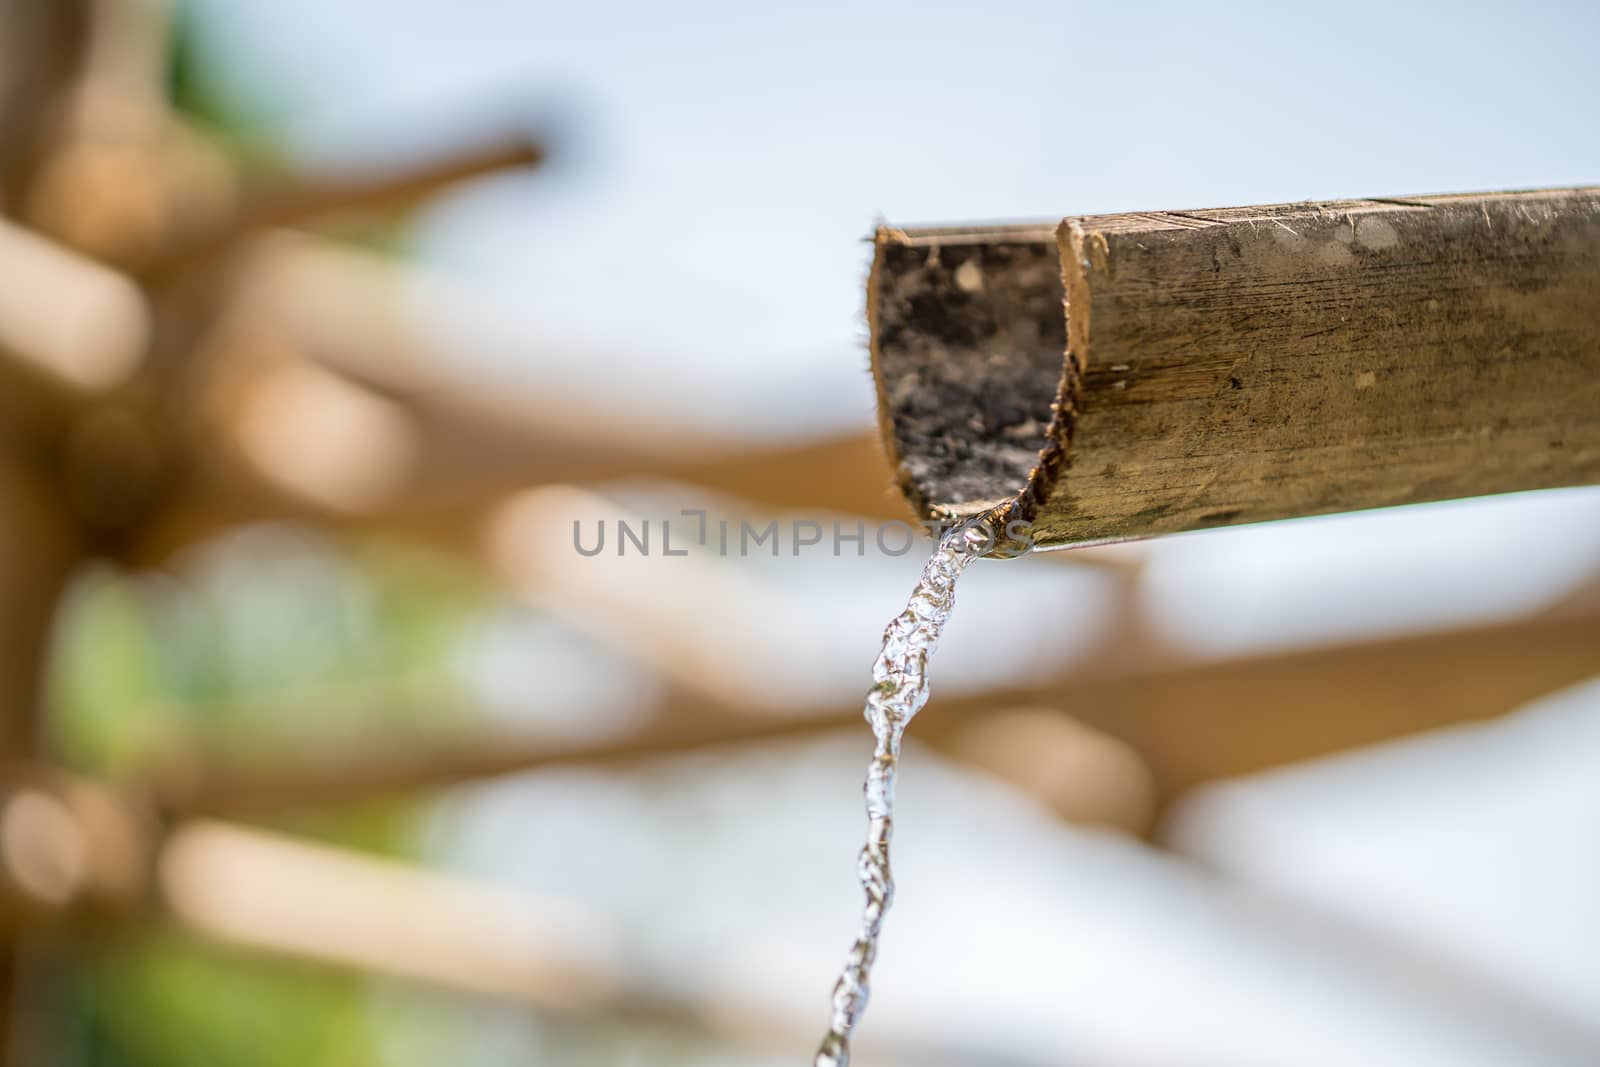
(76, 855)
(42, 46)
(1183, 724)
(302, 202)
(290, 897)
(39, 551)
(42, 49)
(77, 858)
(95, 162)
(303, 307)
(67, 317)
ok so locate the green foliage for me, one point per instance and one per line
(196, 92)
(260, 647)
(165, 999)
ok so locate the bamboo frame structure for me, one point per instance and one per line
(1188, 722)
(1244, 364)
(184, 271)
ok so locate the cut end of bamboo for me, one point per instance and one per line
(1122, 376)
(967, 340)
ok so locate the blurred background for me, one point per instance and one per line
(320, 327)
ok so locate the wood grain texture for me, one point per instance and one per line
(1247, 364)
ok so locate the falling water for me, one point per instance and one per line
(899, 690)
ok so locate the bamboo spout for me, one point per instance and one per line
(1129, 375)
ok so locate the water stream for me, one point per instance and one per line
(899, 690)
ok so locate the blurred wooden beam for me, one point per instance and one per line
(222, 491)
(81, 860)
(120, 173)
(1221, 720)
(82, 326)
(77, 855)
(1185, 725)
(40, 548)
(304, 308)
(129, 51)
(197, 782)
(42, 47)
(373, 321)
(308, 201)
(1242, 364)
(1084, 775)
(273, 893)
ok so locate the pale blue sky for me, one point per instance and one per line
(710, 129)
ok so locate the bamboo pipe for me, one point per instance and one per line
(1242, 364)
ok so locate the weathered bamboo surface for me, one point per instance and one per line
(1244, 364)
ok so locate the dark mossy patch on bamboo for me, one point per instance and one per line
(967, 339)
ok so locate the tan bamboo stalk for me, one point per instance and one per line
(1243, 364)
